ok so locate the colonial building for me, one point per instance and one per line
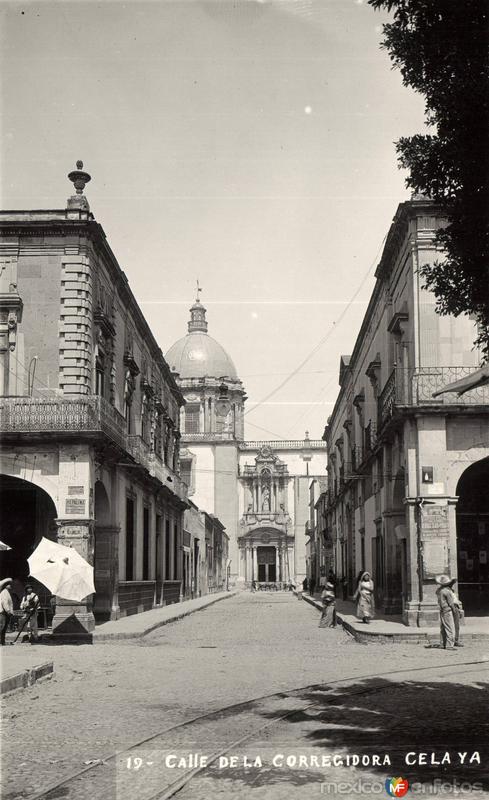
(408, 458)
(318, 545)
(259, 490)
(205, 553)
(89, 416)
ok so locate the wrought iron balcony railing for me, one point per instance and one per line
(168, 478)
(416, 387)
(62, 414)
(90, 414)
(139, 450)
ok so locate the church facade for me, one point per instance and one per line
(258, 489)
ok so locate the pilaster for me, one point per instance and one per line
(106, 601)
(75, 620)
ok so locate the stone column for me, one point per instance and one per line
(106, 562)
(248, 576)
(75, 620)
(255, 563)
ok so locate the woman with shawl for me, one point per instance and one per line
(364, 596)
(328, 614)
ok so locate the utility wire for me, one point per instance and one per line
(324, 338)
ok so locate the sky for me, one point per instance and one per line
(248, 144)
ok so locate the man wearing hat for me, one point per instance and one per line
(6, 607)
(30, 606)
(448, 610)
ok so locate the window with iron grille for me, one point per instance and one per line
(192, 419)
(186, 471)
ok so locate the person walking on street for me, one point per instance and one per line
(30, 605)
(312, 586)
(448, 611)
(332, 578)
(305, 584)
(364, 595)
(6, 607)
(328, 614)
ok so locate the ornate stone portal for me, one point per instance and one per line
(266, 548)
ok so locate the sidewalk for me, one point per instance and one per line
(140, 624)
(23, 665)
(391, 628)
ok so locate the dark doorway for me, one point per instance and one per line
(267, 564)
(473, 538)
(27, 513)
(129, 539)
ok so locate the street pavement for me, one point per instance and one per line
(109, 696)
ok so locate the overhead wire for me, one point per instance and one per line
(324, 339)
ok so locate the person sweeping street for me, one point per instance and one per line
(328, 614)
(449, 612)
(30, 605)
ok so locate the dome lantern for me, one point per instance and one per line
(197, 320)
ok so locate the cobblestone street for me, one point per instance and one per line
(108, 697)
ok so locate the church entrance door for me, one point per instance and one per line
(267, 564)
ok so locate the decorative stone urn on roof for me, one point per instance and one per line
(79, 179)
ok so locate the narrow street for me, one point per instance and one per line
(109, 697)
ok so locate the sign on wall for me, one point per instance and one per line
(75, 506)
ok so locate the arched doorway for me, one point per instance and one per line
(473, 538)
(105, 557)
(27, 513)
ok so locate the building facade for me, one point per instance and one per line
(258, 489)
(89, 417)
(408, 459)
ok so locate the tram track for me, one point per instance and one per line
(213, 735)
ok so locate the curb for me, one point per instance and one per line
(416, 637)
(106, 637)
(26, 678)
(376, 636)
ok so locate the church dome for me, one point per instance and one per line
(198, 355)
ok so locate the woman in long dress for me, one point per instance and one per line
(364, 596)
(328, 614)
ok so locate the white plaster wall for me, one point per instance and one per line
(204, 477)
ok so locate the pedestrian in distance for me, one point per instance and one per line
(328, 614)
(30, 606)
(253, 586)
(449, 611)
(364, 595)
(312, 586)
(457, 615)
(6, 607)
(332, 578)
(305, 585)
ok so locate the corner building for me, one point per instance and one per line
(258, 489)
(89, 417)
(408, 456)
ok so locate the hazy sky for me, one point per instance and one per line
(247, 144)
